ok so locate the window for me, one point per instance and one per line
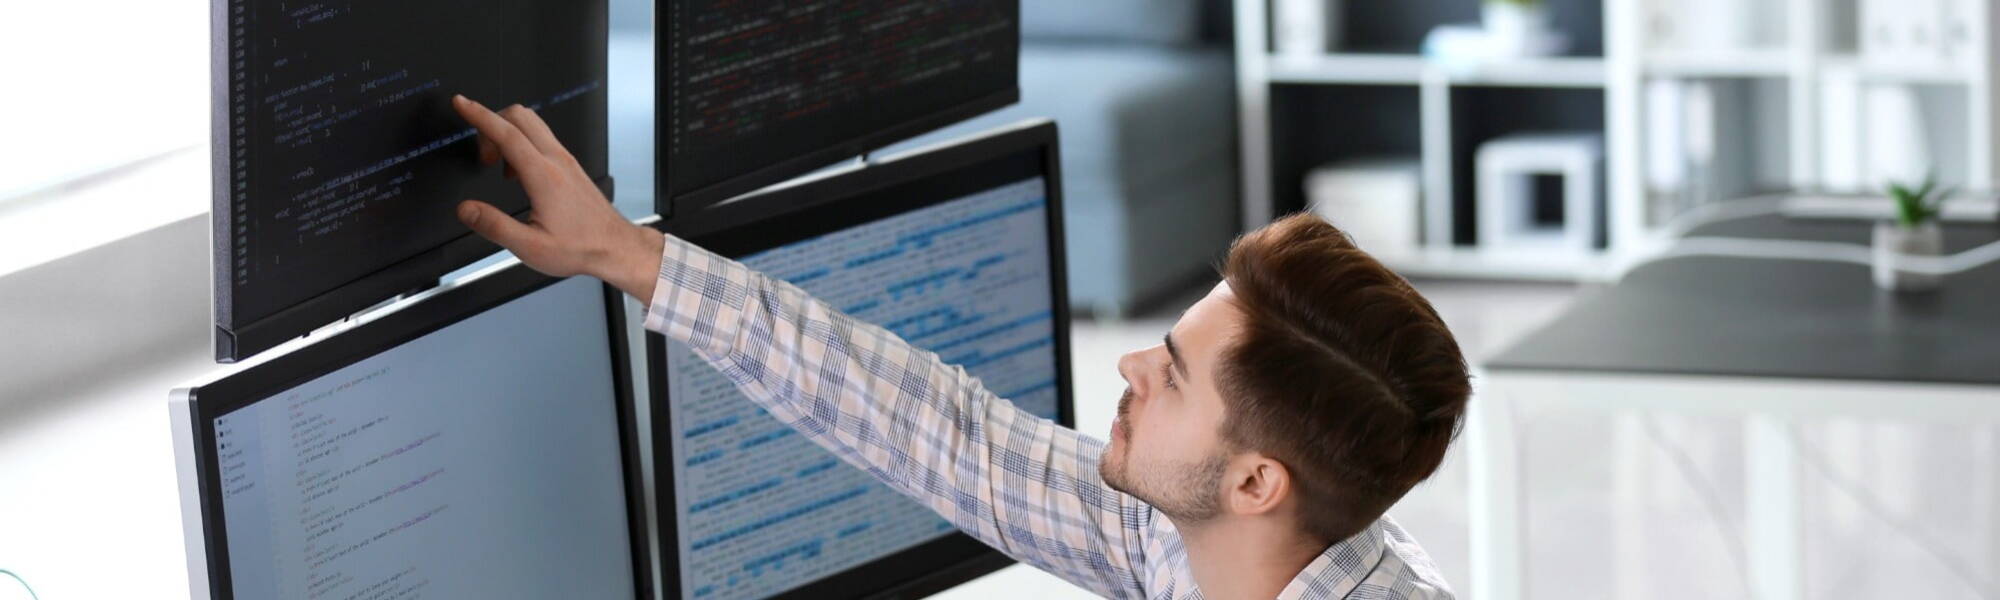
(92, 86)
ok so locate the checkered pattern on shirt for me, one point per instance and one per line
(1017, 482)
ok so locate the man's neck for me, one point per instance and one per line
(1245, 560)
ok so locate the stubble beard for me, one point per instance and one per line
(1185, 492)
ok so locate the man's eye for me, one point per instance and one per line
(1167, 373)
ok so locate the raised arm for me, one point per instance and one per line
(1015, 481)
(1018, 482)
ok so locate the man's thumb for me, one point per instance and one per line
(492, 224)
(468, 213)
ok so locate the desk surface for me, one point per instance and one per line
(1709, 315)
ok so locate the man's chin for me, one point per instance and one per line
(1112, 471)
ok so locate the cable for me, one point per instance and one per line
(1683, 245)
(1705, 214)
(1732, 536)
(24, 583)
(1873, 505)
(1775, 249)
(1830, 252)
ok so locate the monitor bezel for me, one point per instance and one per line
(462, 300)
(955, 557)
(236, 337)
(667, 204)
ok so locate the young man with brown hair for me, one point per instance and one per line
(1255, 451)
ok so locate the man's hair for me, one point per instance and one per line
(1341, 371)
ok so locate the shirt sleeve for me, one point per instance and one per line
(1016, 481)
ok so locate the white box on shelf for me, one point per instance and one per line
(1714, 27)
(1840, 126)
(1897, 146)
(1305, 27)
(1666, 171)
(1376, 201)
(1505, 190)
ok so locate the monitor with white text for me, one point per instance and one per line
(476, 443)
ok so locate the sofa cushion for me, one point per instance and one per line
(1148, 161)
(1127, 113)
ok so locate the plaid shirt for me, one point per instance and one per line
(1018, 482)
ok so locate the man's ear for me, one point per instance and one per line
(1258, 484)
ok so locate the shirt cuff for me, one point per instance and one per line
(657, 307)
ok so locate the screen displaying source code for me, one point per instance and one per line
(750, 84)
(340, 151)
(761, 509)
(479, 461)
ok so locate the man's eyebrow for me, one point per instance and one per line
(1176, 353)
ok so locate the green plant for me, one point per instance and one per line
(1915, 207)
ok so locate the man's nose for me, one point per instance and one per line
(1132, 367)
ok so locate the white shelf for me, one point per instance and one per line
(1560, 71)
(1870, 72)
(1463, 262)
(1361, 69)
(1754, 62)
(1410, 69)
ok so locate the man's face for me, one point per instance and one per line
(1166, 446)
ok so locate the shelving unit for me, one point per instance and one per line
(1789, 92)
(1402, 69)
(1753, 62)
(1397, 102)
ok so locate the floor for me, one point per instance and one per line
(1893, 509)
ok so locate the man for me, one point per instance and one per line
(1255, 451)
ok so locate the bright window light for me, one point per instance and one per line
(95, 85)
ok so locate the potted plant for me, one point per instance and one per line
(1914, 233)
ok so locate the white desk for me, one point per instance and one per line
(1775, 341)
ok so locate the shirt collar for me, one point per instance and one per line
(1340, 568)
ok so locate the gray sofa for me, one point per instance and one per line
(1143, 93)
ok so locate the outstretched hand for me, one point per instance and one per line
(572, 229)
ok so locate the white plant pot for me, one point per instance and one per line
(1515, 29)
(1895, 245)
(1305, 27)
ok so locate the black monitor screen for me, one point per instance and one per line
(960, 261)
(490, 457)
(760, 91)
(338, 158)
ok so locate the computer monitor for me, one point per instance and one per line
(754, 93)
(338, 160)
(476, 441)
(956, 249)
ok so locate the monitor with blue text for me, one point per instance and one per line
(956, 250)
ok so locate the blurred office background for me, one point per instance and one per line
(1607, 127)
